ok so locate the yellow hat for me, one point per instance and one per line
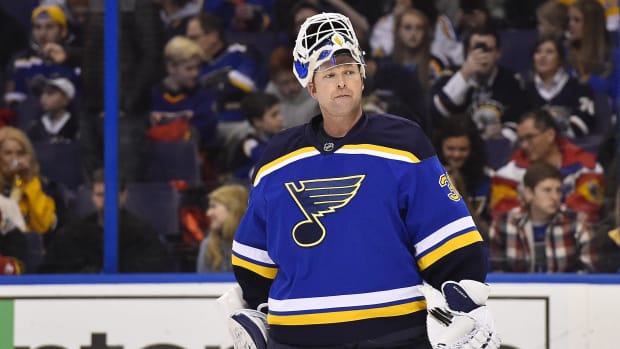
(54, 11)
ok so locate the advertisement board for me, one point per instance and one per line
(185, 315)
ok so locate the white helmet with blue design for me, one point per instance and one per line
(320, 36)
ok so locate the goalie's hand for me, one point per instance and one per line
(458, 317)
(248, 328)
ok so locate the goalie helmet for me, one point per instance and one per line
(319, 38)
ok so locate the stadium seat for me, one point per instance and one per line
(60, 162)
(498, 151)
(27, 112)
(156, 203)
(34, 250)
(516, 50)
(173, 161)
(604, 113)
(83, 203)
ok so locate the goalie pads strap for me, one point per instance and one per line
(248, 329)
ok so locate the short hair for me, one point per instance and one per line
(180, 49)
(254, 105)
(555, 13)
(538, 172)
(99, 178)
(468, 6)
(543, 120)
(557, 43)
(490, 29)
(281, 59)
(210, 23)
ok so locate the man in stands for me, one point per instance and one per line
(540, 140)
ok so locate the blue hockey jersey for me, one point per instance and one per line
(341, 231)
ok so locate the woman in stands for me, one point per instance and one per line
(568, 100)
(410, 70)
(462, 152)
(227, 204)
(20, 180)
(552, 19)
(412, 47)
(590, 56)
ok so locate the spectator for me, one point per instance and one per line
(306, 8)
(541, 235)
(382, 33)
(57, 124)
(607, 236)
(78, 248)
(20, 181)
(231, 71)
(412, 47)
(179, 100)
(590, 56)
(263, 112)
(540, 140)
(227, 204)
(13, 244)
(300, 11)
(176, 14)
(569, 101)
(14, 39)
(611, 12)
(296, 105)
(444, 42)
(243, 16)
(552, 19)
(29, 69)
(491, 94)
(462, 152)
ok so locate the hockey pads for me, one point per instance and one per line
(458, 317)
(247, 327)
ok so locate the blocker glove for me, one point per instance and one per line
(458, 317)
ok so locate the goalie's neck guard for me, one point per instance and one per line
(320, 38)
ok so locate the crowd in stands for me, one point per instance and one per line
(519, 98)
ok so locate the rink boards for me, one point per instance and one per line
(179, 311)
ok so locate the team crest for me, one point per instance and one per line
(317, 197)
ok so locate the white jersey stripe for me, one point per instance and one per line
(444, 232)
(340, 301)
(252, 253)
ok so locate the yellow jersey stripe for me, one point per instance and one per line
(347, 315)
(266, 272)
(283, 161)
(448, 247)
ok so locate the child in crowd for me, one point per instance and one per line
(179, 101)
(57, 124)
(541, 235)
(262, 110)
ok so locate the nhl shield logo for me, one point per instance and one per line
(329, 146)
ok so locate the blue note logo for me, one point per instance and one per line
(317, 197)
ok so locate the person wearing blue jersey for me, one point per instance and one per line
(353, 228)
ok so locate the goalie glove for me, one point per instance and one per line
(458, 317)
(247, 327)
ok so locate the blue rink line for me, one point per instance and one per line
(52, 279)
